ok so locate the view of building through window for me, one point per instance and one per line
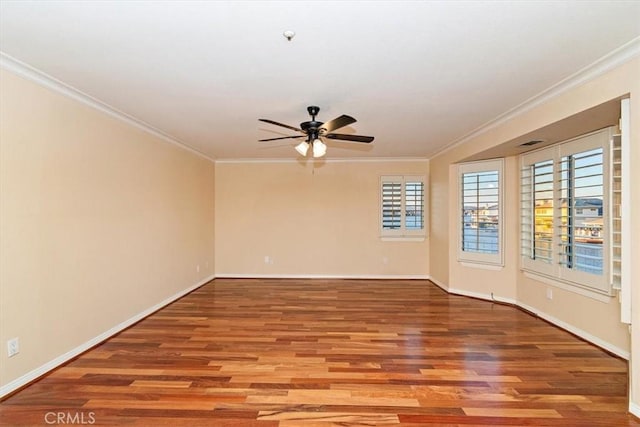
(543, 214)
(579, 221)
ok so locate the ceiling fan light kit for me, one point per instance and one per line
(302, 148)
(314, 130)
(319, 148)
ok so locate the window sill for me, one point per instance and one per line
(480, 265)
(402, 238)
(568, 286)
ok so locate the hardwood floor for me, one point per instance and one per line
(332, 352)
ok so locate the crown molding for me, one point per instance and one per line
(613, 59)
(336, 160)
(28, 72)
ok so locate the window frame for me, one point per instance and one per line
(471, 257)
(402, 233)
(600, 283)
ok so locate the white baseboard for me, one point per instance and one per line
(487, 297)
(323, 276)
(634, 408)
(439, 284)
(577, 331)
(52, 364)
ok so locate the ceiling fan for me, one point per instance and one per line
(314, 130)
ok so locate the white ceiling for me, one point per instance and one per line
(417, 75)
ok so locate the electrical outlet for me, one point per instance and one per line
(266, 259)
(549, 293)
(13, 347)
(198, 268)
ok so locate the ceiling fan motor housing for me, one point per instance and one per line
(311, 128)
(313, 111)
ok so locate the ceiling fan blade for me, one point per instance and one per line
(354, 138)
(282, 137)
(337, 123)
(281, 124)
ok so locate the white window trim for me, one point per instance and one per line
(625, 212)
(466, 258)
(481, 266)
(402, 234)
(578, 281)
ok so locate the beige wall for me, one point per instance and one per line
(99, 221)
(439, 205)
(598, 319)
(482, 282)
(320, 220)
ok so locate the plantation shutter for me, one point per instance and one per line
(402, 206)
(616, 212)
(581, 211)
(480, 212)
(392, 204)
(414, 205)
(565, 212)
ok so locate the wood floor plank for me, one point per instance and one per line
(252, 352)
(506, 412)
(329, 417)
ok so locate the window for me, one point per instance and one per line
(480, 212)
(402, 206)
(564, 211)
